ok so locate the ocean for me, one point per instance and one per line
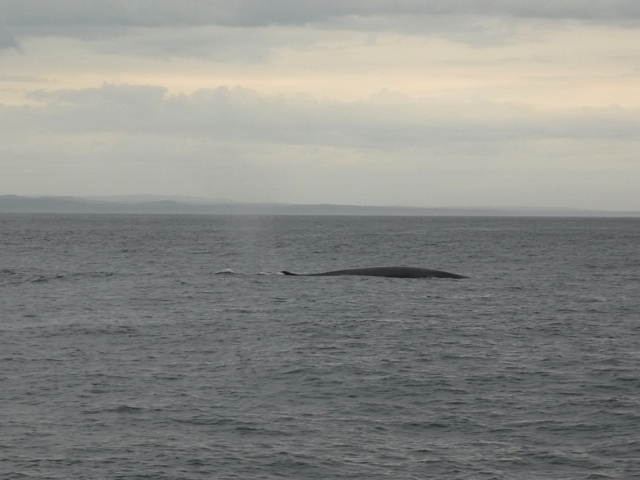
(125, 354)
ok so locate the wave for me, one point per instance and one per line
(12, 277)
(226, 271)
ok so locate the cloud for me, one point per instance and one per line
(389, 149)
(385, 120)
(247, 13)
(92, 20)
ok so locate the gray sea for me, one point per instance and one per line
(125, 355)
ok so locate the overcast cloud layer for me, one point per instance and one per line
(417, 103)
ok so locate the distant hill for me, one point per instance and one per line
(199, 206)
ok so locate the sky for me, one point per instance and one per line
(431, 103)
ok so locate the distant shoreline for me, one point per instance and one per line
(167, 205)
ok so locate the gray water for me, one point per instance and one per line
(124, 355)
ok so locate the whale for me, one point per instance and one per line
(397, 272)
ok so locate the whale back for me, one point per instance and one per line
(397, 272)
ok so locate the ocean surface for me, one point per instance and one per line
(125, 355)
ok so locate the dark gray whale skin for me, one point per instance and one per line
(398, 272)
